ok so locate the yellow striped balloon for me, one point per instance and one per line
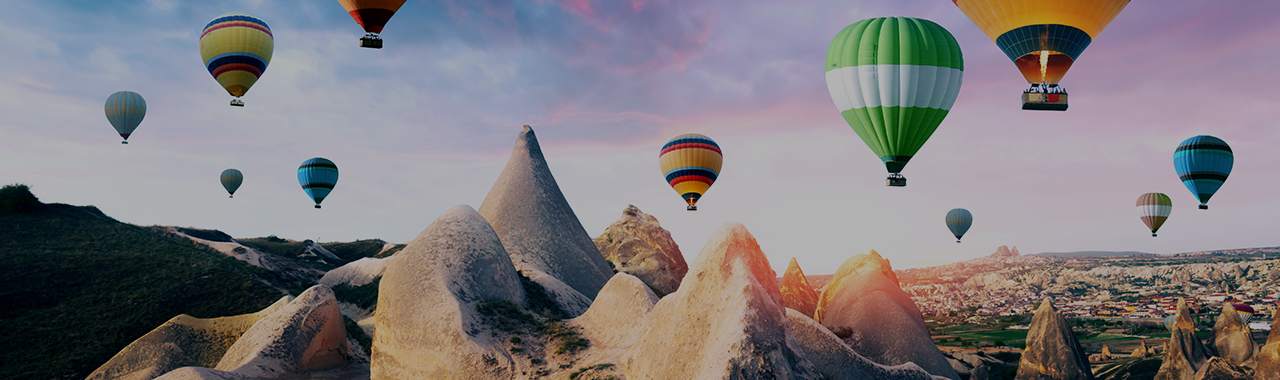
(236, 48)
(690, 163)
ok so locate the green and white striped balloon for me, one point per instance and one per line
(894, 79)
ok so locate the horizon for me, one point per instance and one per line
(427, 123)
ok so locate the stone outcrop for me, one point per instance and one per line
(307, 334)
(834, 360)
(1184, 353)
(180, 342)
(1004, 251)
(865, 307)
(427, 325)
(1141, 351)
(1268, 358)
(726, 321)
(1232, 339)
(1221, 369)
(1052, 352)
(356, 273)
(638, 246)
(796, 292)
(537, 227)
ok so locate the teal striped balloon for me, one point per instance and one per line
(231, 179)
(959, 220)
(894, 79)
(125, 110)
(317, 177)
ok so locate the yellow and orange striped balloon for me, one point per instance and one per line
(690, 162)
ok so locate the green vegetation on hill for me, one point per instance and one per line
(77, 286)
(17, 199)
(355, 250)
(293, 250)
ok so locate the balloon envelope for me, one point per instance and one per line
(231, 179)
(1203, 164)
(372, 15)
(959, 220)
(317, 177)
(125, 110)
(1153, 209)
(236, 48)
(894, 79)
(1042, 38)
(690, 163)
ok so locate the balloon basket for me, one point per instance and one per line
(231, 196)
(691, 208)
(371, 41)
(237, 103)
(1204, 206)
(957, 241)
(895, 180)
(124, 142)
(317, 206)
(1036, 101)
(1153, 234)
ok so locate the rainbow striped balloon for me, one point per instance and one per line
(690, 163)
(1153, 209)
(236, 48)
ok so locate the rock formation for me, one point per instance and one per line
(613, 323)
(356, 273)
(428, 326)
(1052, 353)
(1184, 353)
(796, 292)
(726, 321)
(1004, 251)
(1141, 351)
(307, 334)
(1269, 356)
(1232, 339)
(1221, 369)
(638, 246)
(980, 373)
(1106, 351)
(180, 342)
(834, 360)
(537, 227)
(864, 306)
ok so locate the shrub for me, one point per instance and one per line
(18, 199)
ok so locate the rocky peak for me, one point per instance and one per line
(537, 227)
(637, 245)
(1184, 353)
(1232, 339)
(796, 291)
(1052, 349)
(1004, 251)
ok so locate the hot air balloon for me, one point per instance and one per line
(959, 220)
(236, 48)
(1203, 163)
(317, 177)
(125, 110)
(1153, 209)
(1170, 321)
(231, 179)
(372, 15)
(1245, 312)
(1042, 38)
(690, 163)
(894, 79)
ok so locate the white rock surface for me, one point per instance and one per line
(834, 360)
(356, 273)
(427, 325)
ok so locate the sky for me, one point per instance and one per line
(429, 121)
